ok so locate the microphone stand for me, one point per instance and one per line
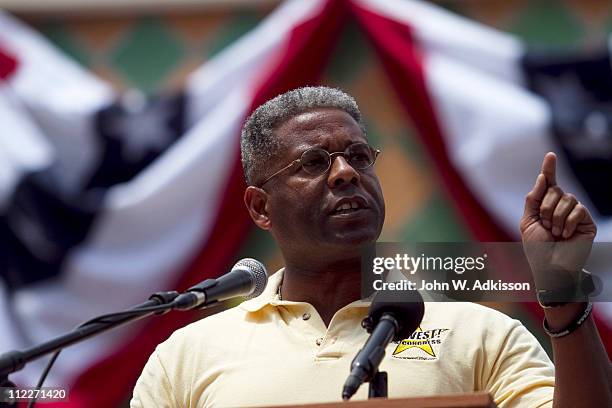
(6, 384)
(379, 385)
(13, 361)
(389, 317)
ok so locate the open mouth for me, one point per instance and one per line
(349, 207)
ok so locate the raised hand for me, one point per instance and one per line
(555, 217)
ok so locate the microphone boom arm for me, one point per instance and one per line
(15, 360)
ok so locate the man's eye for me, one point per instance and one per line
(360, 159)
(315, 163)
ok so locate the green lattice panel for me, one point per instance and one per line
(66, 42)
(547, 23)
(351, 54)
(238, 25)
(147, 54)
(437, 222)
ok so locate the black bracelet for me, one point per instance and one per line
(578, 289)
(570, 328)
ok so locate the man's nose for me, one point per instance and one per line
(341, 172)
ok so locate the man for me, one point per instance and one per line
(312, 185)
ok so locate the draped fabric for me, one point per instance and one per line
(106, 198)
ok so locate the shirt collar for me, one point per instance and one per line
(270, 296)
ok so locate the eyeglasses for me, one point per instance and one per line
(317, 161)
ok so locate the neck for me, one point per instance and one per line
(327, 287)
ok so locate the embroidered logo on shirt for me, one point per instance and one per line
(421, 345)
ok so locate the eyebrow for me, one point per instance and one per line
(325, 147)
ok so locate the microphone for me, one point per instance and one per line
(247, 278)
(392, 316)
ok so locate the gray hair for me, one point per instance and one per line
(257, 143)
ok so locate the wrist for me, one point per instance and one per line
(562, 326)
(559, 317)
(569, 287)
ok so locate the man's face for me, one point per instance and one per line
(303, 208)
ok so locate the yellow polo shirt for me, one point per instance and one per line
(271, 352)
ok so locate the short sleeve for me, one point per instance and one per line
(153, 388)
(521, 374)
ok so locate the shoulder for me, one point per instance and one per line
(206, 330)
(191, 348)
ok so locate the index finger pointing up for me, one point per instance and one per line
(549, 169)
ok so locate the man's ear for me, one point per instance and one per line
(256, 201)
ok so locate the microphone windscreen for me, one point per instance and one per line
(259, 275)
(406, 306)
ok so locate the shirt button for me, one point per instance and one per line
(306, 316)
(319, 341)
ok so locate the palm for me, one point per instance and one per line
(535, 231)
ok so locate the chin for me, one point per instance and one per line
(354, 240)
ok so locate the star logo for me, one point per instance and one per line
(422, 340)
